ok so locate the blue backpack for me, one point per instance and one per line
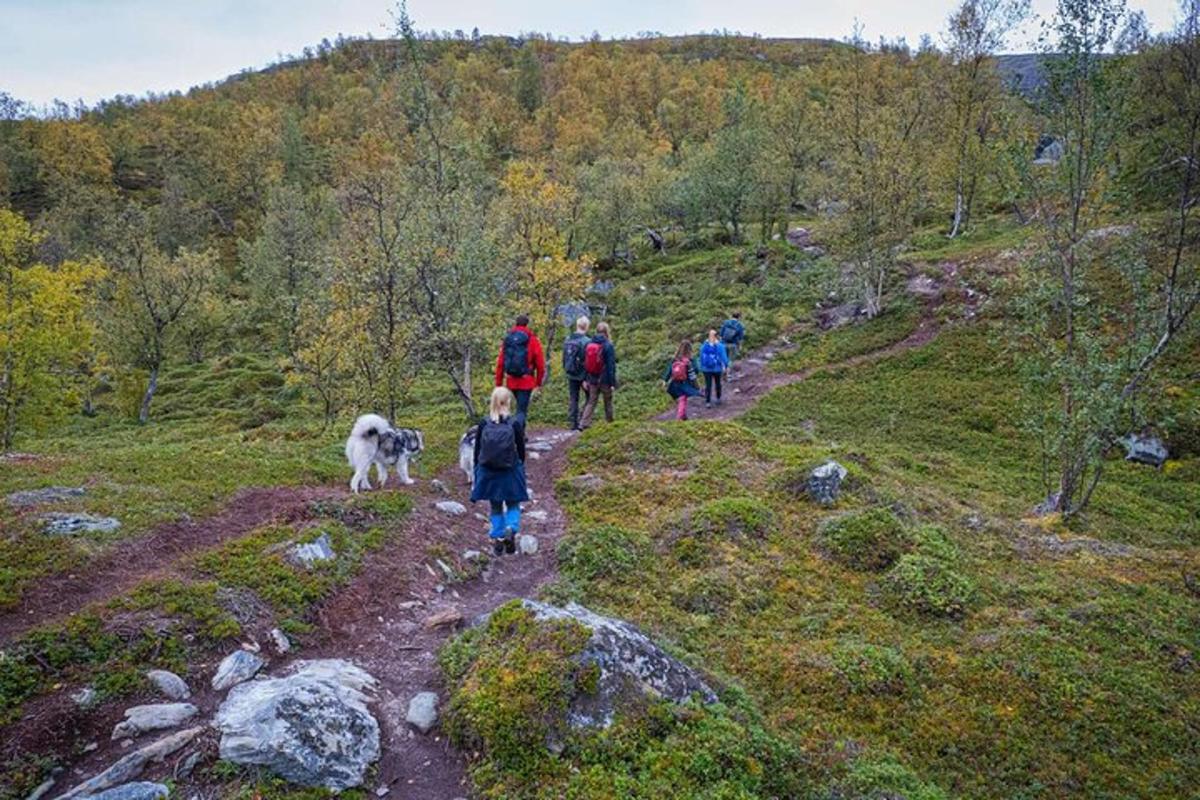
(710, 358)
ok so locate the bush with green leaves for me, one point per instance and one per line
(732, 517)
(928, 586)
(604, 551)
(872, 669)
(885, 778)
(869, 540)
(932, 541)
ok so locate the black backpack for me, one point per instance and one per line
(574, 353)
(498, 444)
(516, 354)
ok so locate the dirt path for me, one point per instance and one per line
(156, 554)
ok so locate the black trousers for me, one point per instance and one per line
(522, 396)
(711, 379)
(574, 387)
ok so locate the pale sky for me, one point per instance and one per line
(93, 49)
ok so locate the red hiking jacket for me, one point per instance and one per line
(537, 360)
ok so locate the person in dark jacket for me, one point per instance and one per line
(500, 469)
(732, 333)
(574, 349)
(604, 382)
(680, 378)
(523, 367)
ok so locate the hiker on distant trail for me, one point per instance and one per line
(680, 378)
(732, 332)
(574, 367)
(600, 363)
(714, 362)
(521, 364)
(500, 469)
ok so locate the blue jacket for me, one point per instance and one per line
(722, 357)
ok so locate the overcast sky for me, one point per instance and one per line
(93, 49)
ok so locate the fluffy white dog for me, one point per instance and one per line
(373, 440)
(466, 453)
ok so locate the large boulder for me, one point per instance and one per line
(169, 684)
(627, 660)
(1145, 450)
(311, 727)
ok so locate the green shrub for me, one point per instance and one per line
(872, 669)
(867, 540)
(931, 540)
(929, 586)
(707, 593)
(510, 683)
(605, 551)
(887, 779)
(732, 517)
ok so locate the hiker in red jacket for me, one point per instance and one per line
(521, 364)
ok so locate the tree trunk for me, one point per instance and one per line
(148, 397)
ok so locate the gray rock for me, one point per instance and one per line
(1049, 151)
(187, 764)
(141, 790)
(50, 494)
(825, 483)
(471, 555)
(438, 486)
(68, 524)
(169, 684)
(813, 251)
(629, 662)
(84, 697)
(799, 237)
(311, 727)
(423, 711)
(540, 445)
(1145, 450)
(309, 554)
(528, 545)
(452, 507)
(280, 640)
(154, 717)
(838, 316)
(237, 667)
(132, 765)
(537, 516)
(42, 789)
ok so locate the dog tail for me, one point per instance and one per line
(369, 426)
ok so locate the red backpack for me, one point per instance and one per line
(679, 369)
(593, 358)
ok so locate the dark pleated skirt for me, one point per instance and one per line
(501, 485)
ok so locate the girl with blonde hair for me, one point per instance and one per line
(500, 469)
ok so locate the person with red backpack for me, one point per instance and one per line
(600, 365)
(680, 378)
(521, 364)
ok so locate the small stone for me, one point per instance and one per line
(170, 684)
(438, 486)
(85, 697)
(308, 554)
(825, 483)
(64, 524)
(187, 764)
(280, 640)
(537, 516)
(541, 446)
(153, 717)
(471, 555)
(446, 618)
(444, 567)
(237, 667)
(382, 791)
(452, 507)
(423, 711)
(527, 544)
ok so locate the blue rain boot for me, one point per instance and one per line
(496, 534)
(512, 526)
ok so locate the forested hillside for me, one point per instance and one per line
(969, 280)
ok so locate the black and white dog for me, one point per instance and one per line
(466, 453)
(373, 440)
